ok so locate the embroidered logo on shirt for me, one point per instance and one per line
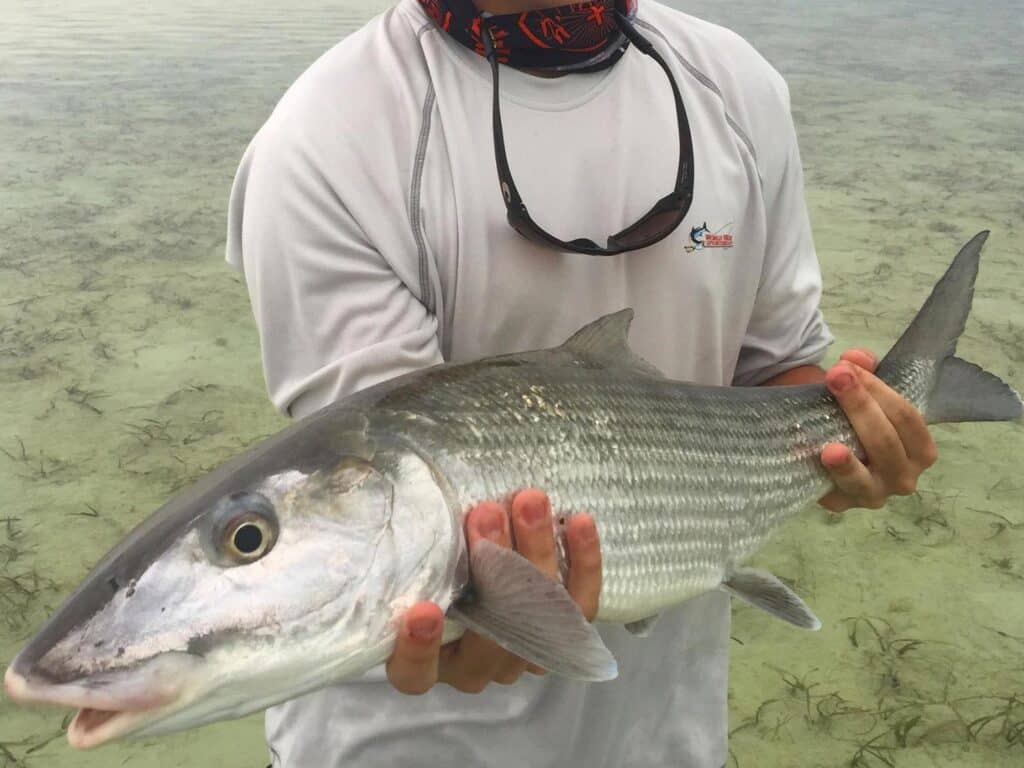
(702, 237)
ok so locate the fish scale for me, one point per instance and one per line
(682, 481)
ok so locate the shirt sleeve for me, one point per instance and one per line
(786, 328)
(333, 315)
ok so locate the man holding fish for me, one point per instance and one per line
(375, 239)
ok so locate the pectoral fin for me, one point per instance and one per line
(529, 614)
(762, 589)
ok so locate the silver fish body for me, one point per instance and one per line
(287, 568)
(683, 481)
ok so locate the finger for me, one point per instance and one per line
(488, 521)
(510, 671)
(534, 540)
(475, 660)
(909, 423)
(412, 667)
(473, 663)
(836, 502)
(882, 445)
(584, 580)
(861, 357)
(855, 484)
(534, 534)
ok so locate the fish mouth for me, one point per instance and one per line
(92, 727)
(104, 713)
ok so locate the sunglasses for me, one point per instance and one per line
(655, 225)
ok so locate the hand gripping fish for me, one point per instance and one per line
(287, 568)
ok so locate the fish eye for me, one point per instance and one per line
(246, 539)
(244, 529)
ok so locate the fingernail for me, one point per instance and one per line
(533, 512)
(842, 382)
(834, 463)
(490, 524)
(588, 532)
(423, 628)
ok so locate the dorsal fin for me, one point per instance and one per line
(605, 341)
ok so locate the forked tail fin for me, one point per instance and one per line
(959, 391)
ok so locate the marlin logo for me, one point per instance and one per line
(697, 236)
(702, 237)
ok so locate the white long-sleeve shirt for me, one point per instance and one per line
(367, 220)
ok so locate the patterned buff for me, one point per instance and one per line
(579, 37)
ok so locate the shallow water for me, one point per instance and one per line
(129, 363)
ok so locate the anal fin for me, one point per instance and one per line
(531, 615)
(765, 591)
(643, 627)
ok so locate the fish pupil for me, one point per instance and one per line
(248, 538)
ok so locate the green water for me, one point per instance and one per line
(129, 363)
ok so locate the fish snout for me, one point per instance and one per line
(110, 705)
(15, 685)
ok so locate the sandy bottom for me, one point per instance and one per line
(129, 363)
